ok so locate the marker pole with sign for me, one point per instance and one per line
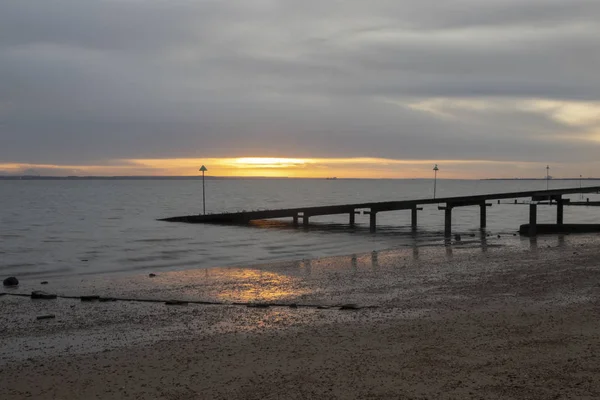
(203, 169)
(435, 170)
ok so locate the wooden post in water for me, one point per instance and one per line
(559, 210)
(532, 219)
(352, 219)
(448, 221)
(305, 220)
(296, 220)
(482, 215)
(373, 220)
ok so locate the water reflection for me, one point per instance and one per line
(415, 252)
(483, 242)
(307, 267)
(233, 284)
(248, 285)
(309, 281)
(374, 262)
(448, 246)
(546, 240)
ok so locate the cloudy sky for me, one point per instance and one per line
(378, 88)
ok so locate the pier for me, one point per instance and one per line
(446, 204)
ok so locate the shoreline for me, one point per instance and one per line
(435, 240)
(440, 309)
(125, 285)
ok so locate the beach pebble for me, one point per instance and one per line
(39, 294)
(151, 275)
(44, 283)
(457, 237)
(47, 316)
(11, 281)
(90, 298)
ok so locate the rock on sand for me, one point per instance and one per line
(11, 281)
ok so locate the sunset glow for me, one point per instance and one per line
(280, 167)
(268, 162)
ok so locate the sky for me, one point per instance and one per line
(311, 88)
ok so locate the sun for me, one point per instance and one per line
(270, 162)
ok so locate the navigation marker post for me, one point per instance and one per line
(203, 169)
(435, 169)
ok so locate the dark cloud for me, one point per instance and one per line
(87, 82)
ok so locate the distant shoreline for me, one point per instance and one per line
(539, 179)
(79, 178)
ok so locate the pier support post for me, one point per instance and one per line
(448, 221)
(482, 215)
(532, 219)
(295, 220)
(413, 218)
(352, 219)
(373, 220)
(559, 210)
(305, 220)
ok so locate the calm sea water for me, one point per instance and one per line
(60, 227)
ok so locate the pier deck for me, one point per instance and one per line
(414, 205)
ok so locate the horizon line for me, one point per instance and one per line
(74, 177)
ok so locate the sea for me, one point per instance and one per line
(70, 227)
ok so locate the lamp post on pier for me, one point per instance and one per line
(547, 176)
(435, 170)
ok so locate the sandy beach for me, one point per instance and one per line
(467, 321)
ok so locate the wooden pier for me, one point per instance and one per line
(446, 204)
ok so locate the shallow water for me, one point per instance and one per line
(79, 227)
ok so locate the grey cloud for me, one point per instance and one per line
(432, 14)
(85, 82)
(102, 25)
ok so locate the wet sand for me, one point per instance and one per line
(458, 322)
